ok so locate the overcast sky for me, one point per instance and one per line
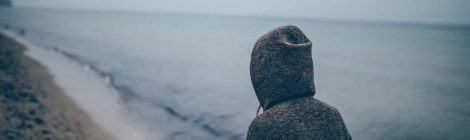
(422, 11)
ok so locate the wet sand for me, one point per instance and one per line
(32, 106)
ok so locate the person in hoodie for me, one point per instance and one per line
(281, 72)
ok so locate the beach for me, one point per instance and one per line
(33, 106)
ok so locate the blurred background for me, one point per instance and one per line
(394, 69)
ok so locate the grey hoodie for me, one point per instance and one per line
(281, 72)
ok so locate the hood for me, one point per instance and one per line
(281, 66)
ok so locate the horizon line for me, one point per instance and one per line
(183, 13)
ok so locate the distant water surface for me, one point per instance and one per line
(187, 76)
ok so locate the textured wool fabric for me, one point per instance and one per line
(281, 72)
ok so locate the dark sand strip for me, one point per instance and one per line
(32, 106)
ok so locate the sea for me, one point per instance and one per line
(187, 75)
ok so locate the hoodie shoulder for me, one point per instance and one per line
(306, 118)
(262, 128)
(335, 128)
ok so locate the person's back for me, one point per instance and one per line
(281, 71)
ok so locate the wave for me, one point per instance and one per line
(86, 88)
(127, 96)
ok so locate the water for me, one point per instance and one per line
(187, 76)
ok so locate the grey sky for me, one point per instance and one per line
(422, 11)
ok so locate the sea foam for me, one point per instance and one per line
(87, 88)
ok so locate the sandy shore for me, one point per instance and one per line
(32, 106)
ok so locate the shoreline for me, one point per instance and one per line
(33, 106)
